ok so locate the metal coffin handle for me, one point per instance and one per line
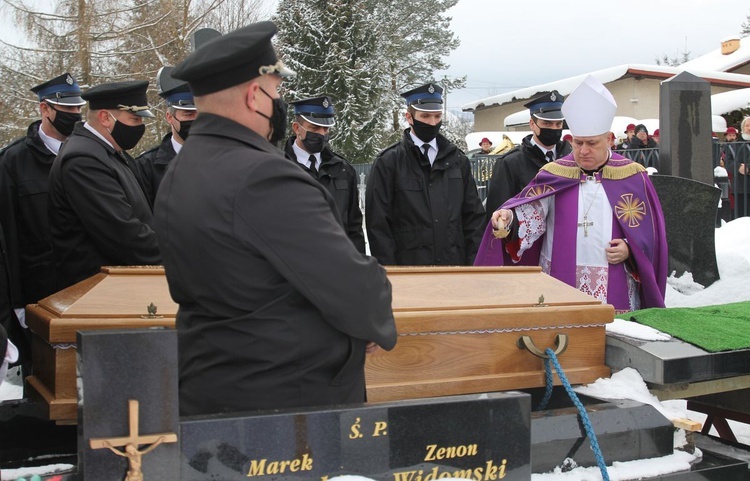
(561, 344)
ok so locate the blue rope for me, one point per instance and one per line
(577, 402)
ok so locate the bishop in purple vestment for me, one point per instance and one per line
(591, 219)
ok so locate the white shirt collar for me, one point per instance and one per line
(95, 132)
(432, 143)
(543, 148)
(52, 144)
(303, 156)
(176, 145)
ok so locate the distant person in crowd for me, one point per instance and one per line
(655, 136)
(630, 135)
(514, 170)
(24, 185)
(731, 134)
(612, 140)
(313, 119)
(591, 219)
(99, 213)
(640, 142)
(422, 206)
(277, 308)
(485, 145)
(568, 138)
(180, 114)
(736, 161)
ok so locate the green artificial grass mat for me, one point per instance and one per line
(724, 327)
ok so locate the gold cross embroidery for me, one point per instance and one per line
(632, 210)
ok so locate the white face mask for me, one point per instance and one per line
(746, 136)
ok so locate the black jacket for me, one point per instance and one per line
(737, 153)
(275, 303)
(513, 171)
(24, 184)
(9, 325)
(152, 164)
(98, 212)
(339, 177)
(417, 214)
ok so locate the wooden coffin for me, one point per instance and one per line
(458, 330)
(116, 298)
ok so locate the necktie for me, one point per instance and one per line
(426, 149)
(550, 156)
(313, 159)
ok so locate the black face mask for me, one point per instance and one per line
(277, 119)
(184, 129)
(425, 132)
(549, 137)
(313, 141)
(126, 136)
(64, 121)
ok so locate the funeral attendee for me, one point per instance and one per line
(737, 160)
(422, 205)
(512, 172)
(731, 134)
(630, 137)
(277, 308)
(656, 136)
(13, 336)
(24, 183)
(485, 145)
(99, 213)
(591, 219)
(640, 142)
(313, 119)
(180, 114)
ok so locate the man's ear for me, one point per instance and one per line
(250, 96)
(105, 119)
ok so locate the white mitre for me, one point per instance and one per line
(589, 109)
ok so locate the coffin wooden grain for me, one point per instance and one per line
(458, 330)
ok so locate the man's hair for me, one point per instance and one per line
(172, 111)
(744, 121)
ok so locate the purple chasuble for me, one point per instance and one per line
(636, 217)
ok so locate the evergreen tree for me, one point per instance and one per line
(363, 53)
(745, 32)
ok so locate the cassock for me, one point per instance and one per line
(562, 208)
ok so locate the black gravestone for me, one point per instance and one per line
(685, 147)
(115, 367)
(690, 210)
(201, 36)
(484, 436)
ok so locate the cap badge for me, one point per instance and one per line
(431, 89)
(553, 97)
(69, 80)
(325, 103)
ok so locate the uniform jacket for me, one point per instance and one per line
(275, 303)
(417, 214)
(339, 177)
(98, 212)
(514, 170)
(24, 184)
(152, 164)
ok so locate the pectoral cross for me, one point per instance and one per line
(131, 443)
(585, 224)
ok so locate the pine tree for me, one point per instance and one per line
(363, 53)
(745, 32)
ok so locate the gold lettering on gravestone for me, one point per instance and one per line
(261, 467)
(489, 472)
(380, 428)
(132, 442)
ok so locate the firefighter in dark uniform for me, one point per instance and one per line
(277, 308)
(24, 184)
(99, 213)
(514, 170)
(313, 118)
(422, 205)
(180, 115)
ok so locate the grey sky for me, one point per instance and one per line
(507, 45)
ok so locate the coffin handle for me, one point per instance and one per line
(561, 344)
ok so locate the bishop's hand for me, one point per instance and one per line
(501, 221)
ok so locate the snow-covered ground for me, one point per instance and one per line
(734, 269)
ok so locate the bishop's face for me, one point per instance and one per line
(590, 153)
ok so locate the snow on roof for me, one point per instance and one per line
(566, 86)
(726, 102)
(715, 61)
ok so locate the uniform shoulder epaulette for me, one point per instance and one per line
(11, 144)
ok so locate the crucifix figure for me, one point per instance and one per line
(132, 442)
(585, 224)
